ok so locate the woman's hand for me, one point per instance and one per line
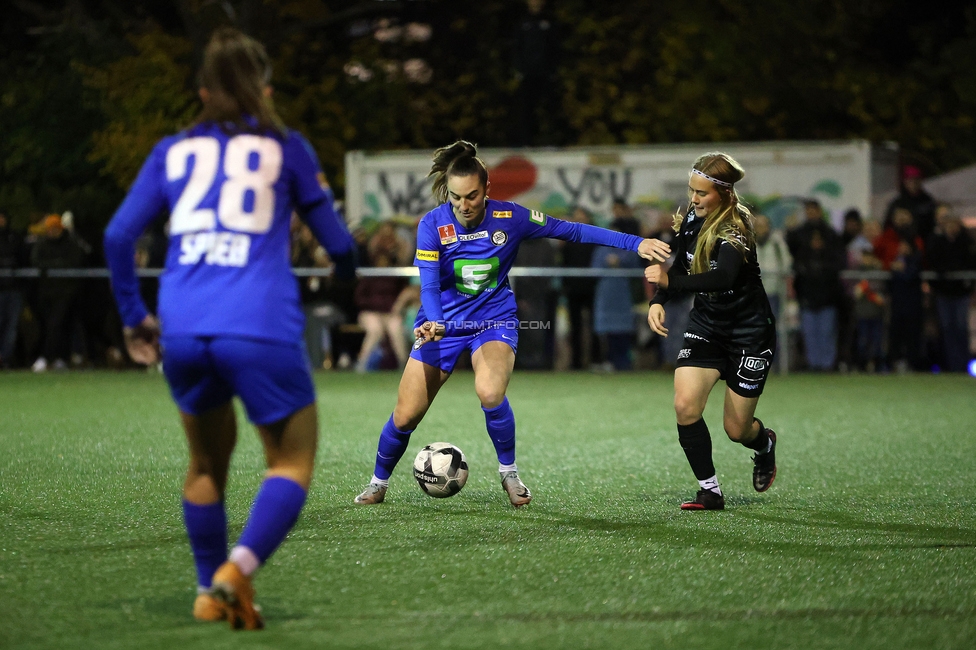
(429, 331)
(654, 250)
(654, 273)
(655, 318)
(142, 341)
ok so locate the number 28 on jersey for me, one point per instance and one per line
(233, 188)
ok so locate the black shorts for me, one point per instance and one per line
(743, 360)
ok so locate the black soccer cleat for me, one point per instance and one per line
(764, 467)
(705, 500)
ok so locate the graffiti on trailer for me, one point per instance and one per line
(408, 193)
(411, 197)
(597, 186)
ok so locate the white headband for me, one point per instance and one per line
(707, 177)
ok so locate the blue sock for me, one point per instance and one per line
(393, 443)
(501, 429)
(275, 511)
(206, 527)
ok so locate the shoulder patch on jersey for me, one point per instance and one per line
(447, 234)
(428, 256)
(538, 218)
(503, 214)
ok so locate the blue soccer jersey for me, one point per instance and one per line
(470, 267)
(230, 197)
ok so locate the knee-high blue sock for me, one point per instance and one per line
(206, 527)
(500, 422)
(393, 443)
(275, 511)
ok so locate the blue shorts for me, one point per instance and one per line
(444, 354)
(272, 379)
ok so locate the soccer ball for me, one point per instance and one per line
(440, 469)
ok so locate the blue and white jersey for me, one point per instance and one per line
(469, 268)
(230, 197)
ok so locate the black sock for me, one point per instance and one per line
(697, 444)
(761, 442)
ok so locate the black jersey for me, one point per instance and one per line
(729, 298)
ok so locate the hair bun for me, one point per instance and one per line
(465, 148)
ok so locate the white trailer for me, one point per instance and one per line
(841, 175)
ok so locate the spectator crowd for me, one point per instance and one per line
(850, 298)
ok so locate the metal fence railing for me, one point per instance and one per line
(411, 271)
(516, 272)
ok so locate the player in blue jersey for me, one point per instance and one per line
(230, 320)
(465, 249)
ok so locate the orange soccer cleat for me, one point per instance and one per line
(234, 590)
(209, 609)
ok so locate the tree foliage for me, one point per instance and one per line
(88, 87)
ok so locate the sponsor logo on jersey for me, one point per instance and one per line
(684, 353)
(748, 386)
(754, 363)
(752, 369)
(447, 234)
(689, 335)
(481, 234)
(428, 256)
(503, 214)
(476, 276)
(499, 238)
(689, 256)
(538, 218)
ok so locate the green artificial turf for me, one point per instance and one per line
(867, 539)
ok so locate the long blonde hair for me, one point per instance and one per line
(732, 221)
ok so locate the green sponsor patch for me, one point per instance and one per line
(474, 276)
(538, 218)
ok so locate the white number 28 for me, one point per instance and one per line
(187, 216)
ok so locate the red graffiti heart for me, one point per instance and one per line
(511, 177)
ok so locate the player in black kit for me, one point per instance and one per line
(731, 334)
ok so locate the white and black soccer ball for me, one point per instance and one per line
(441, 469)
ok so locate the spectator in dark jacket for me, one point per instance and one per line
(579, 295)
(55, 296)
(900, 250)
(818, 258)
(916, 200)
(11, 299)
(950, 248)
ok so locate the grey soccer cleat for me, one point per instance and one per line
(518, 494)
(372, 494)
